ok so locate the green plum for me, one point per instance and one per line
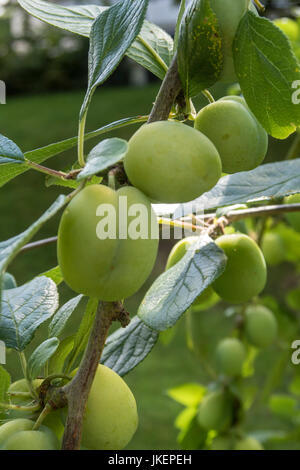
(170, 162)
(42, 439)
(260, 326)
(289, 27)
(229, 14)
(273, 248)
(111, 418)
(114, 267)
(208, 297)
(245, 273)
(293, 217)
(231, 355)
(248, 443)
(234, 131)
(11, 428)
(215, 411)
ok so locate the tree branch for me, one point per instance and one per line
(77, 391)
(169, 90)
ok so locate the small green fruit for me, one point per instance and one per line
(273, 248)
(170, 162)
(248, 443)
(231, 355)
(235, 133)
(260, 326)
(11, 428)
(215, 411)
(245, 273)
(42, 439)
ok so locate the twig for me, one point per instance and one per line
(77, 391)
(38, 243)
(167, 94)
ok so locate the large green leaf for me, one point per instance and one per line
(263, 183)
(9, 151)
(266, 69)
(112, 33)
(107, 153)
(24, 309)
(61, 317)
(176, 289)
(200, 57)
(129, 346)
(153, 48)
(10, 171)
(41, 355)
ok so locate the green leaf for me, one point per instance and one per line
(179, 20)
(200, 56)
(112, 33)
(55, 274)
(175, 290)
(73, 184)
(294, 386)
(5, 381)
(10, 171)
(82, 335)
(61, 317)
(189, 394)
(10, 248)
(184, 418)
(283, 405)
(40, 356)
(266, 69)
(9, 151)
(193, 437)
(107, 153)
(8, 281)
(126, 348)
(24, 309)
(57, 361)
(261, 184)
(153, 47)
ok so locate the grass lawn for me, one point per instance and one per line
(34, 121)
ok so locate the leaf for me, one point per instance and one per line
(82, 335)
(185, 417)
(9, 151)
(24, 309)
(153, 48)
(283, 405)
(126, 348)
(8, 281)
(189, 394)
(73, 184)
(10, 248)
(174, 291)
(193, 437)
(266, 69)
(57, 361)
(61, 317)
(41, 355)
(200, 56)
(5, 381)
(263, 183)
(179, 20)
(105, 154)
(10, 171)
(112, 33)
(55, 274)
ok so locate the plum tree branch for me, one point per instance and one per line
(169, 90)
(77, 391)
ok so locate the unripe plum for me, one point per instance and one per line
(42, 439)
(245, 273)
(229, 14)
(10, 428)
(111, 418)
(248, 443)
(231, 355)
(208, 296)
(260, 326)
(235, 133)
(171, 163)
(293, 217)
(273, 248)
(215, 411)
(111, 268)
